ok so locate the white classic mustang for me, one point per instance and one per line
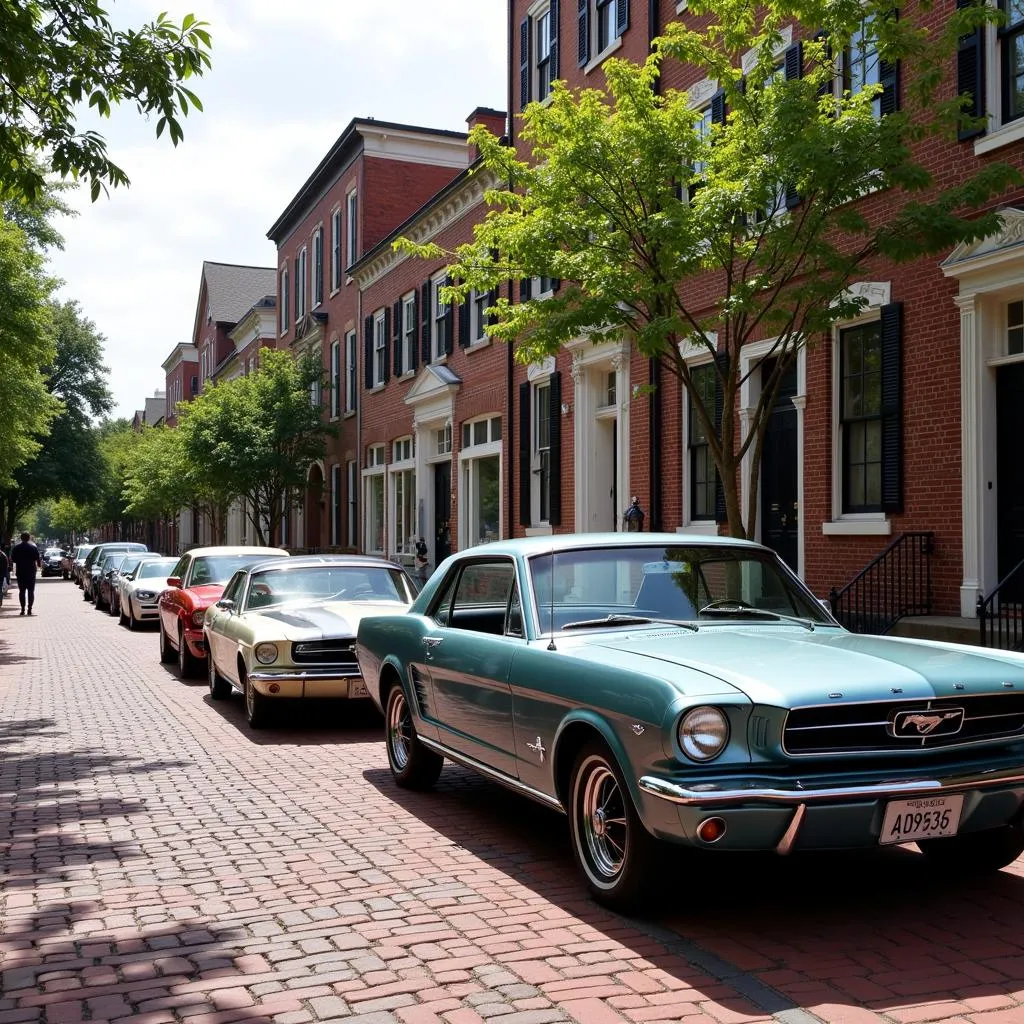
(286, 628)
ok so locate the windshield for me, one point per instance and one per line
(208, 570)
(156, 567)
(273, 587)
(685, 583)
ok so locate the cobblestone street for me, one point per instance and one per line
(162, 863)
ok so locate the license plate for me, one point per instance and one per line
(357, 688)
(926, 817)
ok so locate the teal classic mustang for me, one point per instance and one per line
(691, 689)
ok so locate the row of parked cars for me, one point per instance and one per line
(656, 688)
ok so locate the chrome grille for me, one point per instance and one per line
(327, 652)
(866, 727)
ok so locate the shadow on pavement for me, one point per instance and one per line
(880, 930)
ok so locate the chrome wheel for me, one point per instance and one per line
(603, 825)
(400, 732)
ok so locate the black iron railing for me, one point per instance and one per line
(895, 584)
(1001, 614)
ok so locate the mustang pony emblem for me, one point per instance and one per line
(537, 748)
(923, 723)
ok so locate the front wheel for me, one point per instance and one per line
(412, 764)
(188, 664)
(257, 714)
(220, 688)
(977, 852)
(609, 842)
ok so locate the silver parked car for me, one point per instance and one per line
(140, 589)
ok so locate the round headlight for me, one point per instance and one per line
(703, 733)
(198, 617)
(266, 654)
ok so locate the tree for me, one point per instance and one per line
(670, 231)
(257, 436)
(117, 443)
(67, 459)
(57, 55)
(70, 518)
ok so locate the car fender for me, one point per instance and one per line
(601, 725)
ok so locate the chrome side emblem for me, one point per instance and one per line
(947, 722)
(638, 729)
(537, 748)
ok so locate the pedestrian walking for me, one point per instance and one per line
(25, 557)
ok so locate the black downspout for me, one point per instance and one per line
(510, 364)
(654, 367)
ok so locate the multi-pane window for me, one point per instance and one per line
(480, 302)
(380, 354)
(860, 353)
(335, 250)
(352, 238)
(374, 521)
(285, 297)
(318, 267)
(403, 450)
(543, 51)
(301, 284)
(316, 396)
(542, 447)
(353, 507)
(443, 440)
(403, 474)
(335, 504)
(480, 456)
(440, 318)
(350, 371)
(605, 18)
(1015, 328)
(860, 63)
(408, 335)
(335, 379)
(703, 478)
(1011, 37)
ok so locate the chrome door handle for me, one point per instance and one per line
(432, 641)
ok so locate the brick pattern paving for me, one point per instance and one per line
(162, 863)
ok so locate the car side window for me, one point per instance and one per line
(443, 606)
(181, 568)
(482, 597)
(234, 587)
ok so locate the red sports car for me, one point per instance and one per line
(196, 582)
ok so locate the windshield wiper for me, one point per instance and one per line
(741, 609)
(626, 620)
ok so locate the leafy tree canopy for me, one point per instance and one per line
(665, 229)
(56, 55)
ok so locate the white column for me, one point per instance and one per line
(581, 444)
(970, 452)
(800, 403)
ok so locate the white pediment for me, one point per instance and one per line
(433, 381)
(1005, 244)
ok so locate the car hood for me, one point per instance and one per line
(788, 666)
(203, 597)
(327, 618)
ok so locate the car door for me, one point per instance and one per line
(171, 601)
(467, 655)
(221, 626)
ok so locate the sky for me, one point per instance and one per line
(287, 77)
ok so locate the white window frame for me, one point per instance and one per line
(335, 530)
(539, 495)
(1001, 130)
(402, 490)
(438, 318)
(351, 372)
(469, 455)
(407, 332)
(352, 488)
(316, 388)
(352, 227)
(317, 282)
(301, 293)
(710, 525)
(479, 302)
(380, 352)
(285, 300)
(335, 249)
(537, 18)
(335, 379)
(374, 490)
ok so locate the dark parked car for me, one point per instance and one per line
(52, 558)
(76, 560)
(91, 568)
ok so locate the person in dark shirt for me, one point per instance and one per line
(25, 557)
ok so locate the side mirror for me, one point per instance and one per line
(226, 604)
(174, 581)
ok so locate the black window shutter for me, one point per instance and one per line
(555, 437)
(368, 352)
(425, 312)
(970, 76)
(387, 344)
(449, 323)
(718, 108)
(524, 63)
(793, 62)
(397, 339)
(827, 87)
(556, 284)
(414, 349)
(556, 71)
(464, 338)
(621, 16)
(582, 31)
(525, 454)
(525, 289)
(492, 298)
(892, 407)
(889, 79)
(722, 359)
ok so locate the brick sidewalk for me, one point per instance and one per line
(163, 863)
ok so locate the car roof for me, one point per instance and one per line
(530, 546)
(232, 549)
(337, 561)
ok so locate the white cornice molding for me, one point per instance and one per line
(451, 209)
(1005, 244)
(410, 146)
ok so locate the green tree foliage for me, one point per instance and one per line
(671, 232)
(257, 436)
(67, 459)
(117, 444)
(57, 55)
(70, 518)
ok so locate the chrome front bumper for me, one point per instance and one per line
(308, 683)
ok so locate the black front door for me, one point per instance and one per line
(442, 511)
(1010, 470)
(780, 509)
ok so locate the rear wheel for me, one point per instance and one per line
(611, 846)
(257, 714)
(220, 688)
(977, 852)
(188, 664)
(413, 765)
(166, 650)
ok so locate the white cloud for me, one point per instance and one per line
(286, 80)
